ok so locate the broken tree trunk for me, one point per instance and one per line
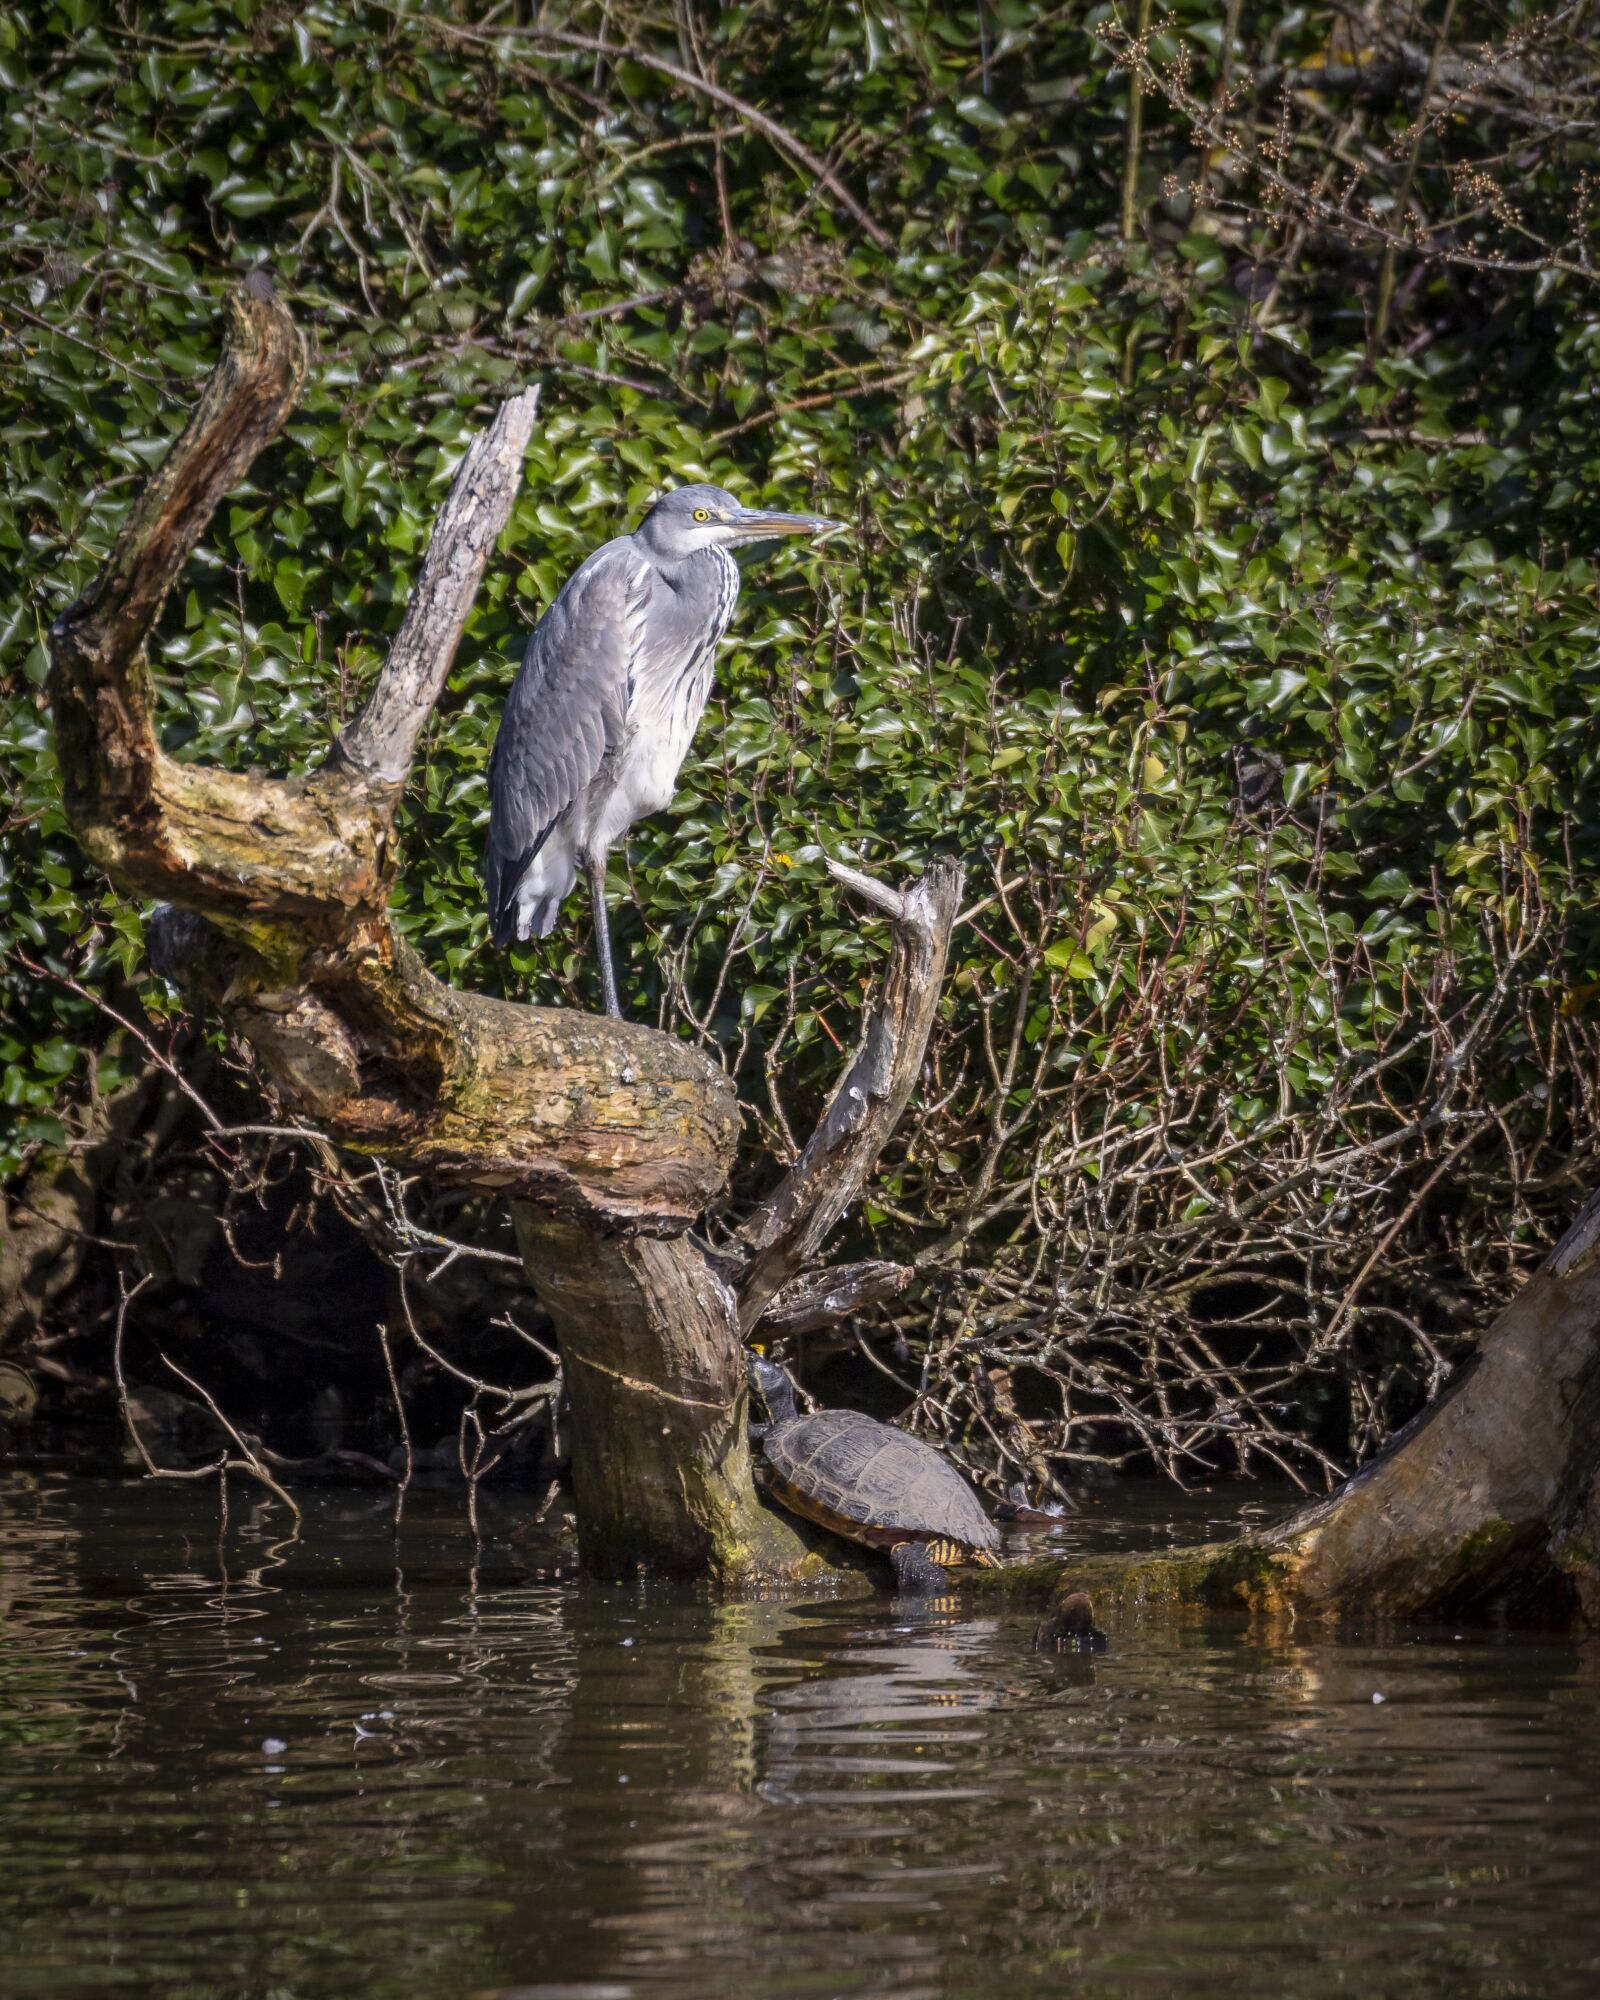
(1489, 1501)
(609, 1138)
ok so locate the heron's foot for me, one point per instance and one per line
(915, 1571)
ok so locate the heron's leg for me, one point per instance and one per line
(595, 864)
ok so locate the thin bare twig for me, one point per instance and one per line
(750, 114)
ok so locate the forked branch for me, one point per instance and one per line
(594, 1118)
(788, 1229)
(605, 1134)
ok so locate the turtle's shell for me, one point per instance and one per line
(876, 1485)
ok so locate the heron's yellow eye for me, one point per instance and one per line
(701, 514)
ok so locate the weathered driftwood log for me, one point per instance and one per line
(609, 1137)
(1488, 1501)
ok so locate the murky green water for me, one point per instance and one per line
(239, 1769)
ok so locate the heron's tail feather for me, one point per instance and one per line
(526, 894)
(507, 903)
(519, 924)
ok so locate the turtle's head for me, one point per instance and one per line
(771, 1383)
(1070, 1628)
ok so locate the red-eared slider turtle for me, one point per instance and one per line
(871, 1484)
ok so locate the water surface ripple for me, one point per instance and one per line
(348, 1767)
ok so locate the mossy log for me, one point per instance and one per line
(1488, 1503)
(609, 1137)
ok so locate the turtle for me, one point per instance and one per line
(871, 1484)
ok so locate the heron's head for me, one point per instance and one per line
(692, 518)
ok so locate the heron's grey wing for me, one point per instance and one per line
(565, 714)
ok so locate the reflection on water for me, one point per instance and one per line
(241, 1769)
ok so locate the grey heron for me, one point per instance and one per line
(606, 703)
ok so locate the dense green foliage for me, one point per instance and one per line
(1226, 595)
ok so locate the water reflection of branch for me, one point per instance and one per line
(400, 1418)
(248, 1463)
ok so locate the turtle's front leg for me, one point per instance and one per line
(916, 1572)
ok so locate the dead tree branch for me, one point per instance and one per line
(606, 1121)
(789, 1227)
(817, 1299)
(382, 740)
